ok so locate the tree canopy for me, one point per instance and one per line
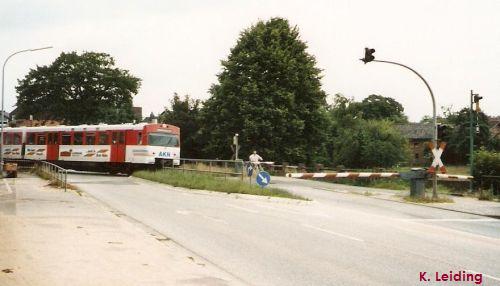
(381, 107)
(458, 137)
(269, 92)
(78, 89)
(185, 113)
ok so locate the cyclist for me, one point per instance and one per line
(255, 161)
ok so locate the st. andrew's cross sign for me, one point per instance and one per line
(436, 162)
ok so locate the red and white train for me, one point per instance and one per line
(112, 148)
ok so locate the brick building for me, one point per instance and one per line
(418, 136)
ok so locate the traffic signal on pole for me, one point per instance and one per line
(368, 55)
(440, 130)
(477, 98)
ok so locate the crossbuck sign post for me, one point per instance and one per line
(436, 162)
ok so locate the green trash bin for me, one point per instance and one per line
(417, 177)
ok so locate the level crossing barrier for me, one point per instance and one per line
(368, 175)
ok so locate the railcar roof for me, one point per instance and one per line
(129, 126)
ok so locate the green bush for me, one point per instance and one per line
(368, 144)
(486, 163)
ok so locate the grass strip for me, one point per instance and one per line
(193, 180)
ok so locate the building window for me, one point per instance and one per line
(417, 156)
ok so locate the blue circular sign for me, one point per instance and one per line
(263, 178)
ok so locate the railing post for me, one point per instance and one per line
(225, 170)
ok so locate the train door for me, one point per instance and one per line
(52, 146)
(118, 146)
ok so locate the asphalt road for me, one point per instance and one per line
(335, 239)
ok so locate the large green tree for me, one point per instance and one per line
(380, 107)
(78, 89)
(185, 113)
(269, 92)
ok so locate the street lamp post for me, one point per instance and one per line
(3, 111)
(370, 58)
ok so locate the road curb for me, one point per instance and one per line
(417, 204)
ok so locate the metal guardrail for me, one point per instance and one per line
(233, 168)
(55, 173)
(492, 183)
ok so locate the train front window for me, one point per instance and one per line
(163, 139)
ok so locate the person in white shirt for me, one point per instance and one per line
(255, 160)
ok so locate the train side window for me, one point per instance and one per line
(7, 138)
(49, 138)
(77, 138)
(17, 139)
(121, 137)
(118, 137)
(103, 138)
(139, 138)
(41, 139)
(31, 139)
(66, 139)
(55, 138)
(90, 138)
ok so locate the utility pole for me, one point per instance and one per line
(369, 57)
(236, 146)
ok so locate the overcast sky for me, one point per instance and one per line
(176, 46)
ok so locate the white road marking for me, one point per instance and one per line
(9, 190)
(452, 219)
(485, 275)
(334, 233)
(279, 209)
(242, 208)
(186, 212)
(213, 218)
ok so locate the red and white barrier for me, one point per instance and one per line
(351, 175)
(447, 177)
(348, 175)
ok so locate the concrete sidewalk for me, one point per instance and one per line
(460, 204)
(51, 237)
